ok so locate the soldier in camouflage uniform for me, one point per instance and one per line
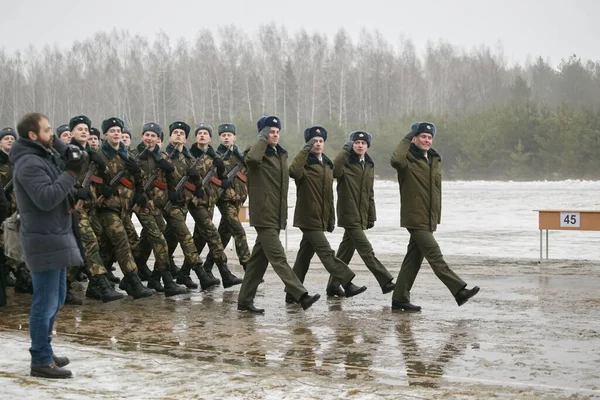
(20, 271)
(233, 194)
(94, 139)
(201, 211)
(175, 212)
(156, 170)
(99, 286)
(116, 199)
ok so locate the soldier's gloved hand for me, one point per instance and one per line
(370, 224)
(219, 165)
(264, 133)
(192, 172)
(97, 159)
(106, 190)
(140, 199)
(308, 146)
(199, 192)
(330, 228)
(81, 193)
(165, 166)
(348, 146)
(173, 197)
(226, 184)
(132, 166)
(141, 147)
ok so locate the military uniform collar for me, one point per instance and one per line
(312, 160)
(355, 159)
(418, 153)
(111, 153)
(198, 152)
(270, 151)
(76, 143)
(175, 153)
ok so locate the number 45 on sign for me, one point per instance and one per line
(570, 220)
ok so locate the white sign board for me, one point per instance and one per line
(570, 220)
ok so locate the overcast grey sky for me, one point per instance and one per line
(551, 28)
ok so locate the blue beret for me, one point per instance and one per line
(153, 127)
(80, 119)
(315, 131)
(204, 126)
(179, 125)
(110, 122)
(361, 135)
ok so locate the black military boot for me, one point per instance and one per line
(71, 299)
(154, 281)
(333, 291)
(352, 290)
(171, 288)
(388, 287)
(208, 266)
(307, 300)
(112, 278)
(133, 286)
(205, 281)
(51, 371)
(229, 279)
(173, 267)
(23, 280)
(465, 294)
(144, 272)
(183, 277)
(99, 288)
(396, 305)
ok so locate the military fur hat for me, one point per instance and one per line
(126, 131)
(153, 127)
(95, 131)
(204, 126)
(62, 128)
(315, 131)
(272, 121)
(361, 135)
(179, 125)
(8, 131)
(80, 119)
(110, 122)
(422, 127)
(228, 127)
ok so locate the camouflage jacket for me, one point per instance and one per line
(88, 204)
(157, 190)
(238, 192)
(204, 166)
(6, 175)
(181, 160)
(121, 199)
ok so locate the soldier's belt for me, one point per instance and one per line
(126, 182)
(97, 179)
(189, 185)
(160, 184)
(241, 176)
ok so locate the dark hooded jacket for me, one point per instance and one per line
(45, 205)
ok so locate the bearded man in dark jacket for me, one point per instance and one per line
(47, 237)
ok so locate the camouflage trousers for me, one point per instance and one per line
(205, 233)
(114, 236)
(230, 226)
(90, 244)
(153, 226)
(177, 232)
(107, 252)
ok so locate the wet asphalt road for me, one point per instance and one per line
(532, 332)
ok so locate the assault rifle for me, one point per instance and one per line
(87, 181)
(182, 182)
(120, 174)
(149, 183)
(8, 186)
(231, 176)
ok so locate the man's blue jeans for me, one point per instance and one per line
(49, 293)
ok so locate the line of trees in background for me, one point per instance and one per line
(495, 121)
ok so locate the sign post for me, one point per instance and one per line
(565, 220)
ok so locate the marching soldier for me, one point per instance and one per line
(175, 209)
(268, 182)
(232, 198)
(126, 137)
(313, 172)
(420, 181)
(157, 171)
(205, 231)
(22, 283)
(99, 286)
(115, 197)
(94, 139)
(355, 173)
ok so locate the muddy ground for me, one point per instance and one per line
(532, 332)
